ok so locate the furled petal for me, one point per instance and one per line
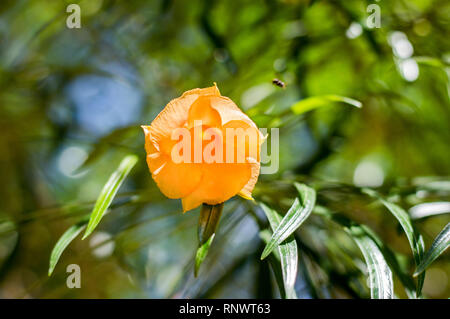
(229, 111)
(201, 111)
(175, 115)
(252, 153)
(246, 191)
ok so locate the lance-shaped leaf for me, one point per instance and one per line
(109, 191)
(274, 262)
(429, 209)
(376, 254)
(389, 255)
(207, 224)
(414, 238)
(202, 251)
(295, 216)
(380, 275)
(288, 254)
(430, 61)
(66, 238)
(439, 245)
(314, 102)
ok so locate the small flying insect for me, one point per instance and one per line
(278, 83)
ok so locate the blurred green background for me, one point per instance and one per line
(72, 101)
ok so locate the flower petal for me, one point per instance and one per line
(212, 90)
(201, 110)
(246, 191)
(173, 116)
(150, 145)
(190, 202)
(176, 180)
(229, 111)
(219, 183)
(244, 133)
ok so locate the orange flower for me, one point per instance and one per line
(203, 149)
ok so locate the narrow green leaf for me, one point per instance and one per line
(66, 238)
(288, 254)
(202, 251)
(417, 260)
(429, 209)
(295, 216)
(436, 186)
(380, 275)
(430, 61)
(439, 245)
(414, 238)
(109, 191)
(265, 235)
(389, 255)
(274, 262)
(314, 102)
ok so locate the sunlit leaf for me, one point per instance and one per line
(414, 238)
(314, 102)
(287, 253)
(296, 215)
(66, 238)
(391, 259)
(430, 61)
(109, 191)
(380, 275)
(274, 262)
(439, 186)
(439, 245)
(429, 209)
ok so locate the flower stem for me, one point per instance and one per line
(208, 221)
